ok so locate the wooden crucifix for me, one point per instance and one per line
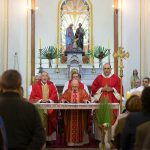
(121, 54)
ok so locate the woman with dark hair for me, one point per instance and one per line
(0, 87)
(134, 120)
(21, 119)
(133, 104)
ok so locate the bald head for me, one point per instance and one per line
(107, 69)
(75, 85)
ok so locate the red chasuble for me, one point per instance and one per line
(36, 95)
(113, 82)
(75, 120)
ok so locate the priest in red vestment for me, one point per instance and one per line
(75, 121)
(44, 91)
(107, 86)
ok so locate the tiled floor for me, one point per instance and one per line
(72, 149)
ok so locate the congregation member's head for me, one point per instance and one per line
(71, 25)
(146, 81)
(107, 69)
(134, 104)
(0, 86)
(36, 78)
(137, 83)
(44, 77)
(145, 98)
(11, 81)
(80, 25)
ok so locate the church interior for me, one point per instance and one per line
(33, 39)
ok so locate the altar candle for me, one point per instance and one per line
(40, 44)
(108, 43)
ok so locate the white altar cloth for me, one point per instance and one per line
(73, 105)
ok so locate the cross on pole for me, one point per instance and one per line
(121, 54)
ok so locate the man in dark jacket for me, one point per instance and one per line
(22, 122)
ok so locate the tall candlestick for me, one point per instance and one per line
(108, 43)
(121, 23)
(40, 43)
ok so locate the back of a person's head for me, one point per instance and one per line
(145, 98)
(138, 93)
(134, 104)
(11, 80)
(0, 85)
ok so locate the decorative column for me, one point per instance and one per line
(58, 36)
(92, 38)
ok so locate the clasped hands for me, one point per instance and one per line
(107, 88)
(46, 101)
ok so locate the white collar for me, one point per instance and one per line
(107, 76)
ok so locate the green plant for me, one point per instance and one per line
(101, 52)
(104, 113)
(50, 52)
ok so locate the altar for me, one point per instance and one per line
(67, 106)
(81, 106)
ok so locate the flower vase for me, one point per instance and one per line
(100, 63)
(49, 62)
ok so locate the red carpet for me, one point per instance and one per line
(60, 143)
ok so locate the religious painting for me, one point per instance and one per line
(75, 12)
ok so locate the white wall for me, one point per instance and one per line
(103, 20)
(17, 36)
(2, 34)
(146, 63)
(46, 24)
(131, 38)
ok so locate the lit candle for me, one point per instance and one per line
(40, 44)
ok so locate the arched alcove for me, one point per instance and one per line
(75, 12)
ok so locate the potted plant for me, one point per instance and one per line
(103, 117)
(50, 53)
(100, 53)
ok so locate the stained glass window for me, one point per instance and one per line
(75, 11)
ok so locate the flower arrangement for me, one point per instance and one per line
(101, 52)
(50, 53)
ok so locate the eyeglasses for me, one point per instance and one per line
(107, 68)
